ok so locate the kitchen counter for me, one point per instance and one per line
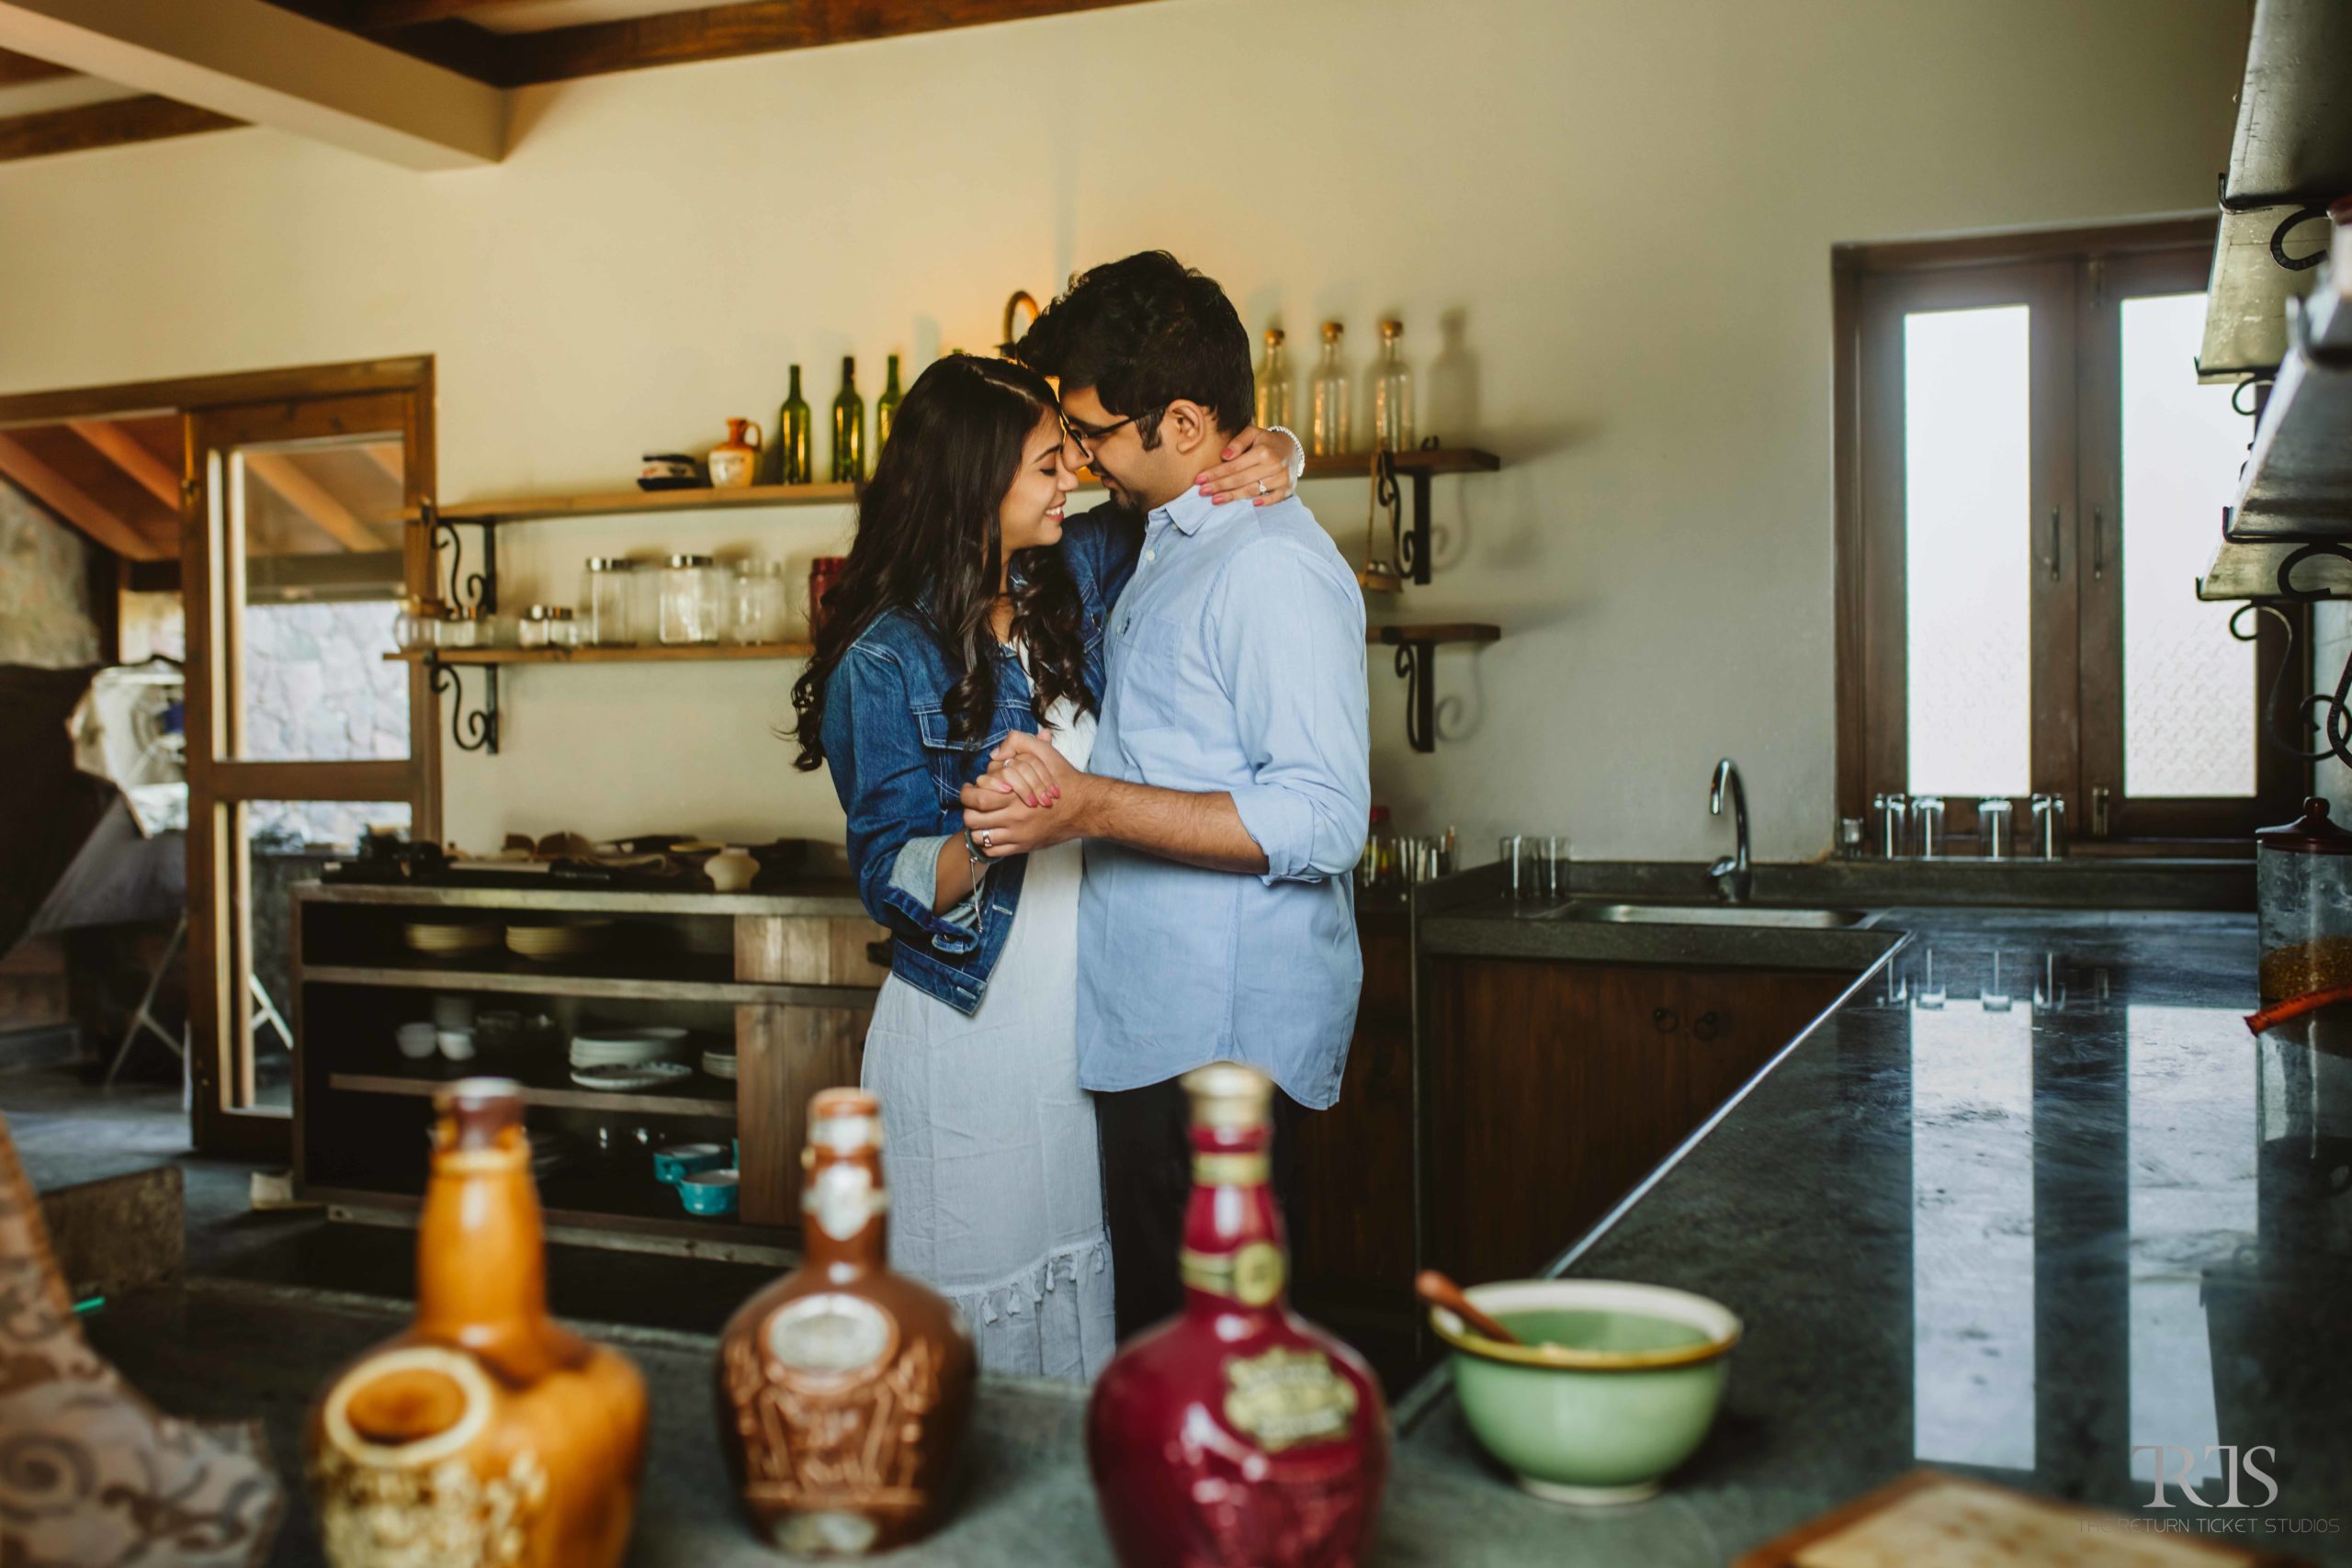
(2028, 1197)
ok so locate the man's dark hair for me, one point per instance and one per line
(1143, 332)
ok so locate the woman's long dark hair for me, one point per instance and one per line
(929, 541)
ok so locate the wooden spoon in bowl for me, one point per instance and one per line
(1438, 1291)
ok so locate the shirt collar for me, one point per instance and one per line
(1188, 510)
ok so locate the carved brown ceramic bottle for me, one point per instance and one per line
(844, 1388)
(484, 1435)
(1236, 1434)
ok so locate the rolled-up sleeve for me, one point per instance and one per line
(1287, 636)
(884, 783)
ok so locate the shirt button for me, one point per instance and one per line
(1151, 554)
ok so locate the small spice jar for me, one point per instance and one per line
(2302, 887)
(539, 627)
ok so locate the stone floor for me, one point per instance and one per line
(69, 1129)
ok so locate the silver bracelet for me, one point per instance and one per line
(1297, 452)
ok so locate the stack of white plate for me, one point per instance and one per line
(719, 1064)
(443, 938)
(615, 1077)
(629, 1047)
(550, 942)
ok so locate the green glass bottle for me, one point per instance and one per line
(790, 461)
(885, 408)
(849, 428)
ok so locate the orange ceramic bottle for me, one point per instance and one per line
(484, 1435)
(844, 1388)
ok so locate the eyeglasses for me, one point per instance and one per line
(1087, 439)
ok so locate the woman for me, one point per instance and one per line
(969, 608)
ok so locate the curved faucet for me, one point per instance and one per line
(1732, 875)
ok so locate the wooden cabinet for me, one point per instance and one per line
(789, 978)
(1352, 1248)
(1555, 1088)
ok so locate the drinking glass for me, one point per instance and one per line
(1928, 826)
(1520, 869)
(1996, 829)
(1553, 864)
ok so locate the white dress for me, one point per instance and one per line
(996, 1180)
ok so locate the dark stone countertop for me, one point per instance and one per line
(2031, 1196)
(2011, 1239)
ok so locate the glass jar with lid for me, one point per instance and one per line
(2302, 886)
(418, 626)
(607, 613)
(760, 598)
(692, 597)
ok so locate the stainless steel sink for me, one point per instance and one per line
(1761, 915)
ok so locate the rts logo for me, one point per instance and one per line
(2238, 1460)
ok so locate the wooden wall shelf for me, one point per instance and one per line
(720, 652)
(1421, 463)
(631, 503)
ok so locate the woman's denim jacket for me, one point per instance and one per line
(900, 772)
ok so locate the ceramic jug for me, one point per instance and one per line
(734, 461)
(844, 1388)
(483, 1436)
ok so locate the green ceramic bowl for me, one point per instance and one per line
(1616, 1386)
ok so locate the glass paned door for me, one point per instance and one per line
(301, 734)
(314, 533)
(2172, 739)
(1967, 483)
(1969, 434)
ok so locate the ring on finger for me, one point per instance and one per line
(988, 838)
(1261, 487)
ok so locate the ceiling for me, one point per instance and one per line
(46, 110)
(117, 484)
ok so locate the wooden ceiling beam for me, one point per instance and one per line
(70, 502)
(385, 16)
(753, 27)
(16, 68)
(111, 123)
(313, 500)
(252, 61)
(127, 452)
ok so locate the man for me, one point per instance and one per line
(1230, 791)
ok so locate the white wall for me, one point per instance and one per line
(1630, 205)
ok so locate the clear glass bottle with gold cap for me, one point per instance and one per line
(1326, 411)
(1236, 1433)
(1392, 392)
(483, 1436)
(844, 1388)
(1273, 383)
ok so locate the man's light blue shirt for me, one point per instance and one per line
(1235, 663)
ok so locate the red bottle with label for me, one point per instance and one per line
(1236, 1434)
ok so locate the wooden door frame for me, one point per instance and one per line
(1871, 653)
(215, 1129)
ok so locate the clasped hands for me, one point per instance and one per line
(1030, 798)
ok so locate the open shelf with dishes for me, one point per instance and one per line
(686, 1018)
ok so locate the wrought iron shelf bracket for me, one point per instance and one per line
(474, 730)
(1417, 663)
(469, 731)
